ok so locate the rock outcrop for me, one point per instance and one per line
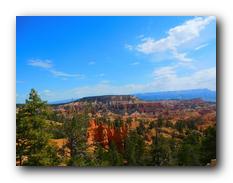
(103, 134)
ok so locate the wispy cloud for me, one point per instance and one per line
(177, 37)
(181, 56)
(135, 63)
(66, 75)
(129, 47)
(166, 78)
(165, 72)
(46, 64)
(201, 46)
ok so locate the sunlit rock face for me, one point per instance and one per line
(103, 134)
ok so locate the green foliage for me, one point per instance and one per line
(75, 130)
(208, 145)
(134, 149)
(113, 156)
(152, 125)
(100, 157)
(56, 116)
(141, 129)
(160, 122)
(180, 126)
(191, 124)
(118, 122)
(46, 156)
(161, 151)
(36, 124)
(189, 151)
(129, 120)
(188, 124)
(32, 147)
(169, 124)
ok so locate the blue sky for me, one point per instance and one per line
(73, 57)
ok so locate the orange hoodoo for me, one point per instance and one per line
(104, 134)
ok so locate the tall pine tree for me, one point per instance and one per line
(32, 147)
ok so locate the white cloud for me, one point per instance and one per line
(201, 46)
(46, 64)
(165, 72)
(181, 56)
(164, 79)
(135, 63)
(149, 45)
(65, 75)
(106, 89)
(129, 47)
(177, 36)
(167, 79)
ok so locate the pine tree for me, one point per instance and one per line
(75, 130)
(114, 157)
(208, 145)
(189, 151)
(32, 147)
(161, 151)
(134, 149)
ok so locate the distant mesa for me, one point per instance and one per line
(204, 94)
(110, 98)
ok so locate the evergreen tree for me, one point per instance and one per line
(32, 147)
(208, 145)
(189, 151)
(141, 129)
(160, 122)
(161, 151)
(114, 157)
(134, 149)
(75, 130)
(180, 126)
(100, 157)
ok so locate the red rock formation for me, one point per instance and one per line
(104, 134)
